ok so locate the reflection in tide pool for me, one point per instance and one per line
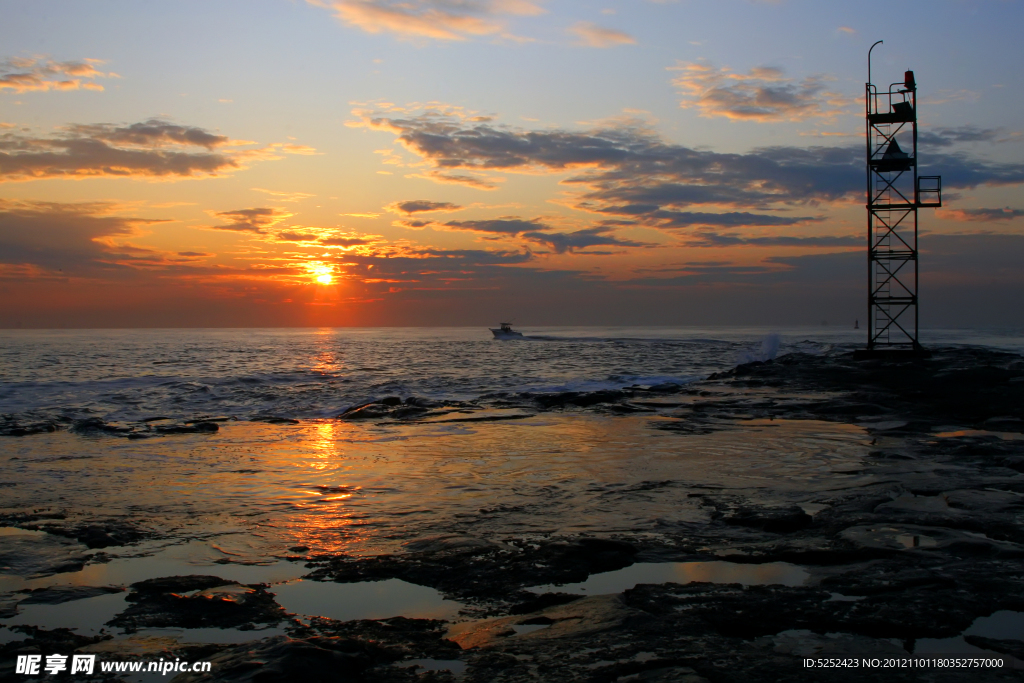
(1004, 625)
(1001, 625)
(683, 572)
(87, 616)
(364, 600)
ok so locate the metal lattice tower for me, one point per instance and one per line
(894, 194)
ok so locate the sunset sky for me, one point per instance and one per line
(461, 162)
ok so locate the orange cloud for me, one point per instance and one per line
(980, 215)
(763, 94)
(64, 240)
(255, 220)
(433, 19)
(591, 35)
(23, 74)
(473, 181)
(284, 196)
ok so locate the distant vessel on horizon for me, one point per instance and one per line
(505, 331)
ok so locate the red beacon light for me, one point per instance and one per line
(908, 80)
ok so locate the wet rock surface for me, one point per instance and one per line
(485, 573)
(931, 542)
(35, 641)
(97, 427)
(197, 602)
(55, 595)
(925, 539)
(40, 555)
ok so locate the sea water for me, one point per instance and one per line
(130, 375)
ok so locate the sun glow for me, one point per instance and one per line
(323, 274)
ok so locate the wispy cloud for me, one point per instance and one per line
(563, 242)
(324, 237)
(706, 238)
(155, 133)
(476, 181)
(295, 236)
(284, 196)
(256, 220)
(980, 215)
(152, 149)
(590, 34)
(351, 240)
(535, 231)
(947, 137)
(53, 239)
(628, 175)
(24, 74)
(763, 94)
(506, 225)
(411, 206)
(447, 20)
(292, 148)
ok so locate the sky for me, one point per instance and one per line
(262, 163)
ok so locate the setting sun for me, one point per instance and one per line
(323, 275)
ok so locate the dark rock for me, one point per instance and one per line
(175, 584)
(197, 602)
(101, 534)
(543, 601)
(9, 426)
(364, 411)
(422, 402)
(195, 428)
(499, 571)
(399, 637)
(580, 399)
(284, 660)
(773, 520)
(94, 425)
(408, 411)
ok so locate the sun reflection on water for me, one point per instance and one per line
(365, 488)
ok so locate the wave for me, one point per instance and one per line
(244, 375)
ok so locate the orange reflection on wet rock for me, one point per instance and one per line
(366, 488)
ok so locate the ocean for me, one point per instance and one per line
(185, 374)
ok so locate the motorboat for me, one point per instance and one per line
(505, 331)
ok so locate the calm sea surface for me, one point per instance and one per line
(131, 375)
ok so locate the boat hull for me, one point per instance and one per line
(501, 334)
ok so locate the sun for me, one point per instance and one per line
(323, 274)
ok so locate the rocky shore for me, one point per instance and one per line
(929, 540)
